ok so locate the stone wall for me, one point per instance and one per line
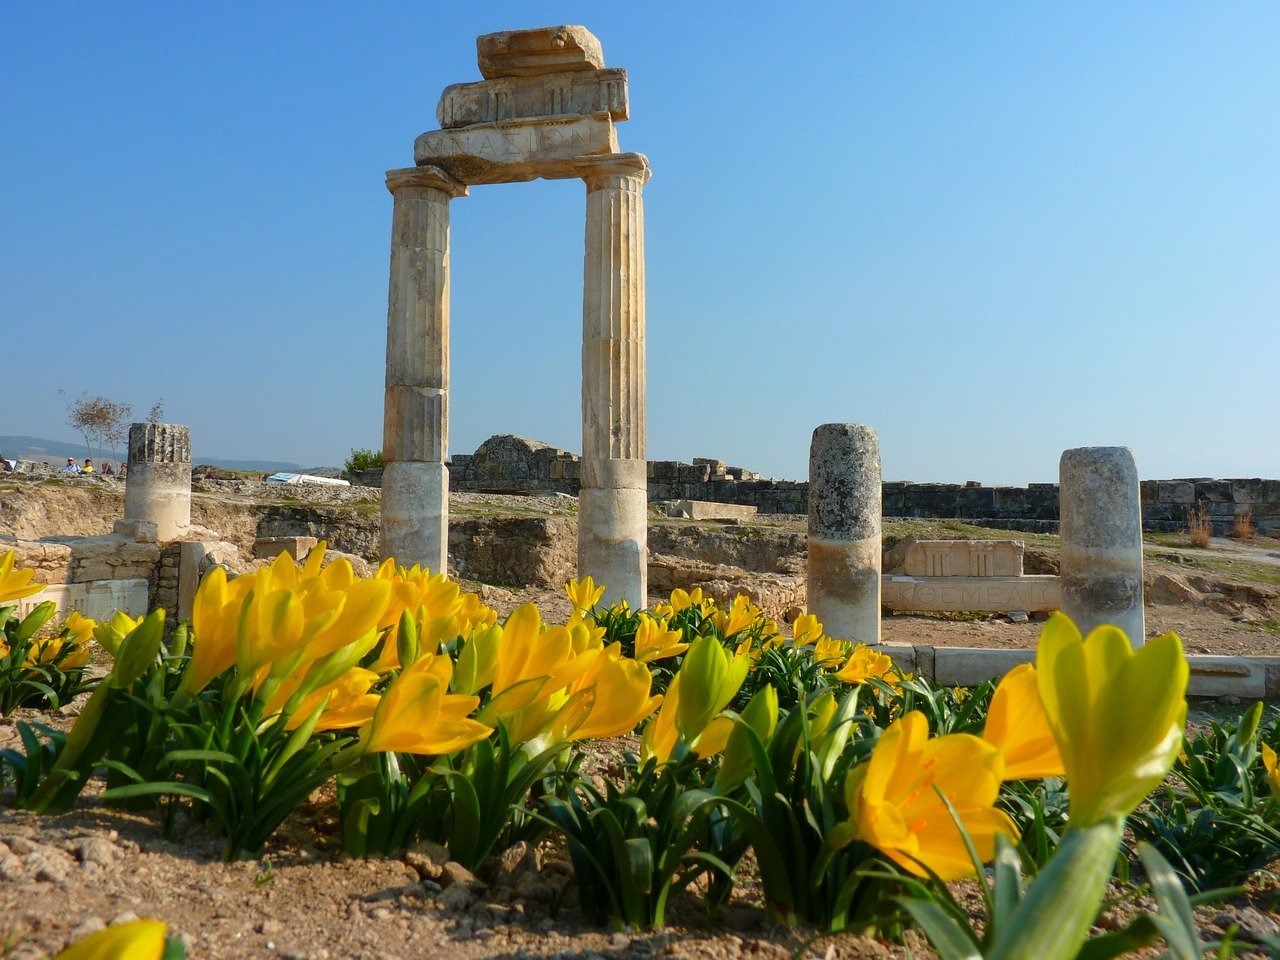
(510, 464)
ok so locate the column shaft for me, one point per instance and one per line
(613, 502)
(1101, 540)
(844, 531)
(415, 436)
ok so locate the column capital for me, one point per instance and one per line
(410, 179)
(602, 171)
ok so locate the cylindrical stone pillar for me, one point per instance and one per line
(613, 499)
(1101, 531)
(157, 485)
(415, 426)
(844, 531)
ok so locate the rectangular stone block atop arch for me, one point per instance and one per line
(546, 109)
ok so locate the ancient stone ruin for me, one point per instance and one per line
(546, 108)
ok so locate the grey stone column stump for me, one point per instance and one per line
(1101, 529)
(157, 486)
(844, 531)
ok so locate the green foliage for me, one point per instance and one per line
(363, 460)
(1215, 819)
(471, 802)
(634, 846)
(47, 682)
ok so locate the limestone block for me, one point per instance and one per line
(52, 562)
(268, 548)
(98, 600)
(970, 666)
(991, 594)
(956, 558)
(562, 94)
(144, 531)
(514, 150)
(707, 510)
(1227, 677)
(540, 50)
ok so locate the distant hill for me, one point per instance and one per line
(55, 451)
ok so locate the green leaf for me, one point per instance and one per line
(1176, 921)
(948, 937)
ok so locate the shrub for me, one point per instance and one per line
(1242, 528)
(363, 460)
(1199, 525)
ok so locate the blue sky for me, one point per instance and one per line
(991, 231)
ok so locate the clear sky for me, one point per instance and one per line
(990, 230)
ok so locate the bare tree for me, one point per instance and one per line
(99, 420)
(156, 413)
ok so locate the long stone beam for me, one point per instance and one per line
(1032, 594)
(517, 150)
(516, 98)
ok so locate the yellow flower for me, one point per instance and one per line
(741, 614)
(894, 803)
(347, 702)
(425, 597)
(584, 594)
(16, 584)
(416, 715)
(619, 695)
(1116, 714)
(806, 630)
(67, 651)
(111, 633)
(1273, 773)
(655, 642)
(683, 599)
(711, 677)
(864, 664)
(1018, 728)
(136, 940)
(830, 653)
(215, 618)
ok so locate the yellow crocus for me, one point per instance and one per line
(620, 695)
(895, 806)
(110, 633)
(683, 599)
(1117, 714)
(711, 676)
(215, 618)
(830, 653)
(583, 593)
(363, 604)
(655, 642)
(806, 630)
(1018, 727)
(347, 702)
(741, 614)
(136, 940)
(1273, 772)
(864, 664)
(416, 715)
(15, 583)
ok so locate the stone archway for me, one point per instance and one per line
(546, 109)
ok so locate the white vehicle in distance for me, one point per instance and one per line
(297, 478)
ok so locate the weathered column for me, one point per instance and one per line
(415, 426)
(157, 486)
(844, 531)
(1101, 530)
(613, 500)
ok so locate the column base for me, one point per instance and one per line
(613, 543)
(844, 588)
(415, 514)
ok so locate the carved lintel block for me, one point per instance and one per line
(557, 95)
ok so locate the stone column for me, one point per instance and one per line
(415, 426)
(1101, 529)
(157, 486)
(613, 501)
(844, 531)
